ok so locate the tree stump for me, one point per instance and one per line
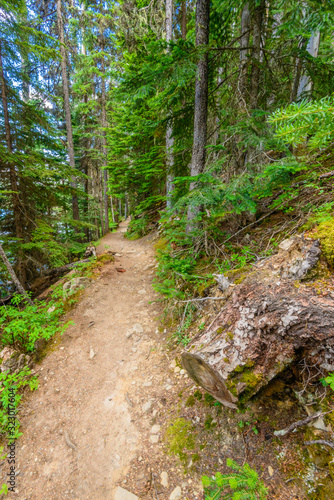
(269, 321)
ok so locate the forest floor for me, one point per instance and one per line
(111, 390)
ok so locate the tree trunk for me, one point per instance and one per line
(266, 324)
(257, 17)
(243, 58)
(13, 177)
(67, 108)
(169, 131)
(305, 83)
(184, 19)
(201, 99)
(104, 137)
(17, 283)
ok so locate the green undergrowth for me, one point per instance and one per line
(242, 483)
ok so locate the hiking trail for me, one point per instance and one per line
(100, 388)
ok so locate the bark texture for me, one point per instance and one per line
(201, 96)
(257, 16)
(17, 208)
(268, 322)
(169, 131)
(67, 108)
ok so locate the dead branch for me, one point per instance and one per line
(298, 424)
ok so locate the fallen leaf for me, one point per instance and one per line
(120, 270)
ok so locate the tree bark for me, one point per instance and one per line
(267, 324)
(12, 176)
(104, 138)
(184, 19)
(305, 83)
(67, 108)
(17, 283)
(257, 17)
(169, 131)
(243, 58)
(201, 99)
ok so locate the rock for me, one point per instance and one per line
(91, 353)
(14, 361)
(146, 407)
(223, 283)
(270, 470)
(90, 252)
(137, 328)
(75, 284)
(154, 438)
(164, 479)
(121, 493)
(176, 494)
(118, 255)
(51, 309)
(142, 291)
(147, 384)
(286, 245)
(155, 429)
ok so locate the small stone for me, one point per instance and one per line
(270, 470)
(146, 407)
(154, 438)
(168, 387)
(176, 494)
(122, 494)
(147, 384)
(177, 369)
(155, 429)
(182, 372)
(118, 255)
(173, 364)
(142, 291)
(51, 309)
(164, 479)
(137, 328)
(91, 353)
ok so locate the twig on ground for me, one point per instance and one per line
(156, 493)
(68, 442)
(299, 423)
(202, 298)
(128, 400)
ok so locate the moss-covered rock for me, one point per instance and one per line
(325, 233)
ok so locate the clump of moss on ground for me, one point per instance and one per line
(325, 233)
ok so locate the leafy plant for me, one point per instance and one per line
(16, 381)
(242, 484)
(24, 327)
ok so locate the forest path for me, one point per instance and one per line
(85, 401)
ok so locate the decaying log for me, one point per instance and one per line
(63, 269)
(268, 321)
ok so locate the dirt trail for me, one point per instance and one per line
(86, 402)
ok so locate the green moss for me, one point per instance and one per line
(198, 395)
(220, 330)
(325, 233)
(190, 401)
(226, 360)
(251, 379)
(180, 437)
(161, 244)
(209, 424)
(229, 336)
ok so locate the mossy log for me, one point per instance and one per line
(268, 322)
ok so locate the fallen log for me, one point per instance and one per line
(268, 321)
